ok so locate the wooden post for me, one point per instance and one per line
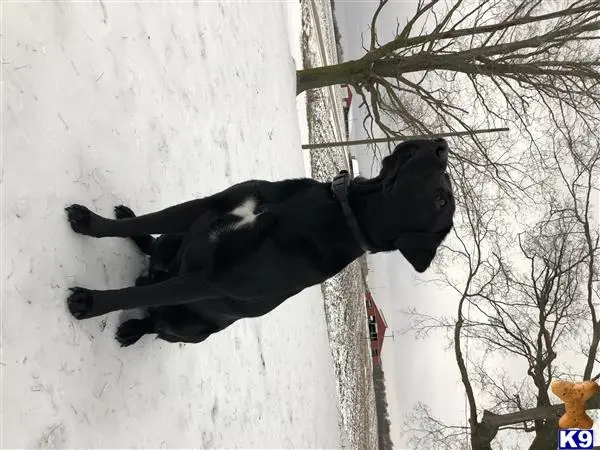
(401, 138)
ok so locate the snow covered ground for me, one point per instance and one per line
(147, 105)
(344, 293)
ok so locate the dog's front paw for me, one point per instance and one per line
(123, 212)
(80, 218)
(130, 331)
(81, 303)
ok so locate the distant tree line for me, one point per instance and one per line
(383, 418)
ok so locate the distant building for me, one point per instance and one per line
(377, 327)
(347, 99)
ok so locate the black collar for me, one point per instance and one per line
(339, 188)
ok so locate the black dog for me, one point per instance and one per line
(242, 252)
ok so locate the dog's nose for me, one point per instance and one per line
(441, 149)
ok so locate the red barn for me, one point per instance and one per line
(377, 327)
(348, 98)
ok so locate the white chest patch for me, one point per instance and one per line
(245, 216)
(245, 212)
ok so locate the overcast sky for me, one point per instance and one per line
(415, 370)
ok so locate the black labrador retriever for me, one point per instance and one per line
(242, 252)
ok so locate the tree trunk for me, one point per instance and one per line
(361, 70)
(542, 412)
(365, 69)
(547, 437)
(589, 364)
(318, 77)
(485, 431)
(482, 436)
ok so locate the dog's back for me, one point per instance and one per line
(289, 236)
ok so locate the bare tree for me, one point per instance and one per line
(467, 64)
(576, 154)
(527, 305)
(479, 224)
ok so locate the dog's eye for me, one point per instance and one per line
(440, 202)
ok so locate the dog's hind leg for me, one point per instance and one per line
(143, 242)
(172, 324)
(166, 248)
(163, 259)
(182, 324)
(153, 277)
(131, 331)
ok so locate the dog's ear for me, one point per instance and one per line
(419, 248)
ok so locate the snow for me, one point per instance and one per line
(344, 293)
(147, 105)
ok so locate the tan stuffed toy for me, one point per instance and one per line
(575, 396)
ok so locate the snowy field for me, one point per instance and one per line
(344, 293)
(147, 105)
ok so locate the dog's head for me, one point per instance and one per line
(417, 203)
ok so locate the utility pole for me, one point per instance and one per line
(402, 138)
(392, 336)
